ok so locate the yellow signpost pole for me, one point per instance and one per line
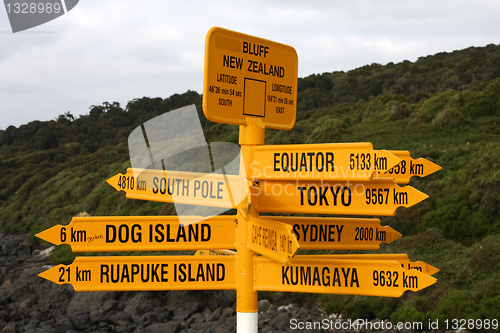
(246, 297)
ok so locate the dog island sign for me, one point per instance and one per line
(246, 76)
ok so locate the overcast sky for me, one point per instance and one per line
(119, 50)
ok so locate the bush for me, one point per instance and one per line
(456, 304)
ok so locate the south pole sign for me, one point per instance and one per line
(252, 82)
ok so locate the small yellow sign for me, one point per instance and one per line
(247, 76)
(378, 197)
(339, 276)
(403, 259)
(180, 187)
(215, 253)
(327, 161)
(146, 273)
(144, 233)
(408, 168)
(324, 233)
(272, 239)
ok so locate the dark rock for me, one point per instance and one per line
(183, 314)
(226, 313)
(9, 329)
(281, 320)
(29, 303)
(120, 318)
(171, 326)
(81, 320)
(263, 305)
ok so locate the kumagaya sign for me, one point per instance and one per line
(250, 82)
(246, 76)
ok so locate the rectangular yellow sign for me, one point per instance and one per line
(144, 233)
(378, 197)
(339, 276)
(272, 239)
(327, 161)
(324, 233)
(146, 273)
(408, 168)
(180, 187)
(247, 76)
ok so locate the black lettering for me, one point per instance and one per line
(124, 274)
(329, 162)
(134, 271)
(104, 273)
(336, 277)
(301, 189)
(155, 185)
(110, 233)
(284, 274)
(154, 272)
(221, 272)
(145, 273)
(164, 273)
(136, 235)
(276, 160)
(322, 196)
(160, 235)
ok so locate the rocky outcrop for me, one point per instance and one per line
(29, 303)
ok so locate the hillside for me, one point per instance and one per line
(443, 107)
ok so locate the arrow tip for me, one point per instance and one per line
(418, 280)
(428, 269)
(113, 181)
(51, 274)
(431, 167)
(51, 235)
(414, 196)
(395, 235)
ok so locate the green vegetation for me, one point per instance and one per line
(444, 107)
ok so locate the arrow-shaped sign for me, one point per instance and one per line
(377, 197)
(339, 276)
(408, 168)
(272, 239)
(328, 161)
(146, 273)
(180, 187)
(403, 259)
(144, 233)
(323, 233)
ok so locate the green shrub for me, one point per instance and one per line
(62, 255)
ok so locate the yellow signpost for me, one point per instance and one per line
(272, 239)
(339, 276)
(408, 167)
(249, 77)
(324, 233)
(144, 233)
(326, 161)
(181, 187)
(252, 82)
(378, 197)
(145, 273)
